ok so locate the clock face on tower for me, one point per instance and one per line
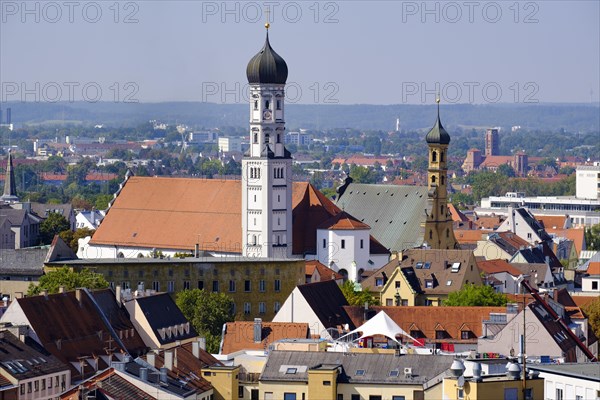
(267, 114)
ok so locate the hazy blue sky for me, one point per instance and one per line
(387, 52)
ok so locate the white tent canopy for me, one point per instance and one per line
(381, 324)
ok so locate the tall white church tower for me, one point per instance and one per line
(267, 166)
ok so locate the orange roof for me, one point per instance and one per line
(343, 221)
(577, 235)
(552, 221)
(324, 272)
(496, 161)
(496, 266)
(239, 335)
(489, 222)
(594, 268)
(175, 213)
(426, 319)
(457, 215)
(464, 236)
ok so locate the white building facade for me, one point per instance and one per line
(267, 167)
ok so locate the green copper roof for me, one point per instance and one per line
(267, 66)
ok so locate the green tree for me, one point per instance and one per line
(53, 225)
(207, 312)
(476, 295)
(592, 311)
(356, 297)
(72, 238)
(506, 170)
(69, 279)
(592, 237)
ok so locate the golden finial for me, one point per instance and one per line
(268, 12)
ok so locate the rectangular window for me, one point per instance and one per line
(22, 388)
(186, 285)
(200, 285)
(559, 394)
(460, 394)
(397, 284)
(389, 302)
(247, 308)
(232, 285)
(594, 285)
(324, 243)
(374, 397)
(326, 383)
(29, 387)
(355, 397)
(276, 306)
(247, 286)
(215, 287)
(340, 396)
(240, 392)
(465, 335)
(362, 243)
(170, 286)
(428, 283)
(343, 245)
(277, 285)
(43, 384)
(262, 307)
(289, 396)
(254, 394)
(261, 285)
(156, 286)
(398, 398)
(125, 285)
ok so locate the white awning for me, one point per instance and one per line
(381, 324)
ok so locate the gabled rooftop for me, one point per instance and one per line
(239, 335)
(326, 299)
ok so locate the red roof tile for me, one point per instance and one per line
(239, 335)
(343, 221)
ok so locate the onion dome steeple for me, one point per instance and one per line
(437, 134)
(267, 66)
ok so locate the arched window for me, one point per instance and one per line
(434, 156)
(447, 232)
(120, 255)
(441, 156)
(278, 136)
(433, 179)
(267, 104)
(442, 210)
(254, 240)
(279, 104)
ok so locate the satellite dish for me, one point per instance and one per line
(460, 381)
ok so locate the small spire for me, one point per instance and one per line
(267, 24)
(437, 100)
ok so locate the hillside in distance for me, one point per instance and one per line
(571, 117)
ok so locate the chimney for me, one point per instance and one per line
(257, 330)
(168, 359)
(144, 374)
(163, 375)
(202, 341)
(197, 250)
(118, 294)
(61, 289)
(79, 294)
(151, 358)
(196, 348)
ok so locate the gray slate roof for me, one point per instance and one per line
(24, 262)
(393, 212)
(377, 367)
(588, 371)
